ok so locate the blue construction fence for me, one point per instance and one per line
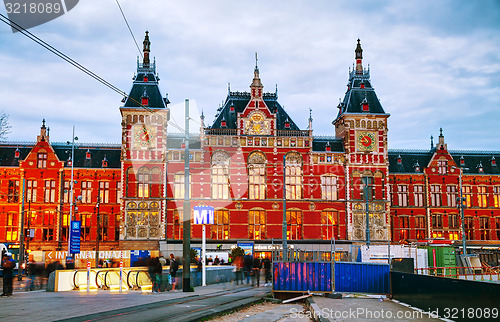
(302, 277)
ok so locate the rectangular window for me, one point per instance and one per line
(497, 220)
(329, 187)
(482, 197)
(86, 191)
(329, 225)
(420, 227)
(257, 224)
(118, 192)
(484, 228)
(437, 221)
(50, 191)
(220, 228)
(293, 177)
(257, 181)
(294, 224)
(47, 234)
(442, 167)
(31, 186)
(435, 195)
(418, 195)
(404, 227)
(451, 195)
(13, 191)
(12, 228)
(496, 196)
(143, 184)
(367, 181)
(179, 186)
(403, 195)
(41, 160)
(104, 191)
(467, 194)
(469, 227)
(177, 224)
(66, 192)
(453, 222)
(220, 183)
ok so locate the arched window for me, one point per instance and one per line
(294, 224)
(329, 224)
(257, 224)
(177, 230)
(257, 176)
(220, 228)
(143, 183)
(293, 176)
(220, 175)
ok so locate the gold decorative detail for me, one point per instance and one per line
(276, 206)
(143, 205)
(312, 206)
(238, 205)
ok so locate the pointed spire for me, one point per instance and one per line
(146, 49)
(310, 120)
(256, 87)
(43, 133)
(432, 142)
(359, 58)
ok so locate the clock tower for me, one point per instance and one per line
(362, 125)
(143, 154)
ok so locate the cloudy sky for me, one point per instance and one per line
(433, 64)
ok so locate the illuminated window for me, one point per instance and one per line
(118, 192)
(220, 228)
(293, 176)
(220, 175)
(418, 195)
(329, 224)
(66, 192)
(469, 227)
(435, 195)
(329, 189)
(86, 191)
(257, 224)
(143, 183)
(437, 225)
(50, 191)
(482, 197)
(404, 227)
(451, 195)
(467, 194)
(11, 231)
(41, 160)
(403, 195)
(497, 221)
(420, 227)
(179, 187)
(294, 224)
(13, 191)
(257, 176)
(178, 226)
(496, 196)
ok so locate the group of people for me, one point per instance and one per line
(155, 269)
(249, 267)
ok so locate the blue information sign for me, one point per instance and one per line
(74, 237)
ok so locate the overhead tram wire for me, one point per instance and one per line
(129, 29)
(71, 61)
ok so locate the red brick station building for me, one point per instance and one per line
(136, 188)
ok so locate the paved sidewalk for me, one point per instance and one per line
(50, 306)
(363, 308)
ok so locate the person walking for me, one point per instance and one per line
(238, 269)
(158, 270)
(174, 266)
(267, 270)
(8, 266)
(256, 271)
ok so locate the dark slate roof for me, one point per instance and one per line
(150, 88)
(472, 160)
(63, 151)
(175, 140)
(320, 142)
(240, 100)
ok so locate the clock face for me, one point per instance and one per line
(144, 136)
(366, 141)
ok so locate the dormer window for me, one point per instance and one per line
(328, 148)
(364, 105)
(104, 162)
(17, 153)
(145, 79)
(223, 122)
(416, 166)
(399, 160)
(69, 162)
(493, 162)
(462, 161)
(480, 168)
(88, 155)
(231, 108)
(362, 84)
(145, 98)
(287, 124)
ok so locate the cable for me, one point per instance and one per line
(131, 33)
(53, 50)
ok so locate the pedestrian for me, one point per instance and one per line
(8, 266)
(238, 269)
(174, 266)
(247, 267)
(152, 273)
(256, 271)
(163, 261)
(158, 267)
(199, 266)
(216, 260)
(32, 269)
(267, 270)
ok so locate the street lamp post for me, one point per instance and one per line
(98, 233)
(73, 139)
(461, 206)
(284, 224)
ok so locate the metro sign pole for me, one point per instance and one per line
(203, 216)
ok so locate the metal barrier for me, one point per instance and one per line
(302, 277)
(362, 277)
(136, 278)
(461, 272)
